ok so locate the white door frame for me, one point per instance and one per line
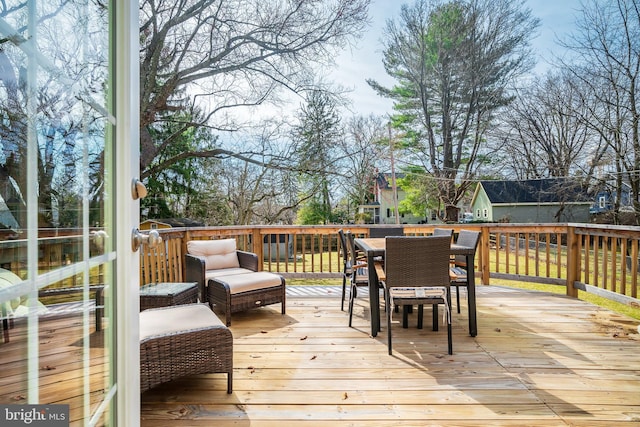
(127, 211)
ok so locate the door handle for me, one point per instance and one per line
(152, 239)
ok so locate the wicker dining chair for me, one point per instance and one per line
(346, 265)
(458, 270)
(417, 273)
(359, 272)
(376, 232)
(443, 232)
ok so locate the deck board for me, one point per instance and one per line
(538, 360)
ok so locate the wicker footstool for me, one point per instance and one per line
(241, 292)
(183, 340)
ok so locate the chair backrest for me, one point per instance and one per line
(466, 238)
(217, 254)
(343, 246)
(351, 246)
(386, 231)
(417, 261)
(443, 232)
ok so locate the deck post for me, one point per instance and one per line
(484, 247)
(573, 261)
(258, 247)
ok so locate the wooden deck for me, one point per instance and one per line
(538, 360)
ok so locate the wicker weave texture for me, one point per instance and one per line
(220, 295)
(414, 262)
(187, 296)
(417, 261)
(166, 357)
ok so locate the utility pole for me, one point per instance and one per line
(394, 188)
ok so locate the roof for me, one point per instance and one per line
(534, 191)
(7, 220)
(384, 180)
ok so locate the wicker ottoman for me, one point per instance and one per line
(183, 340)
(241, 292)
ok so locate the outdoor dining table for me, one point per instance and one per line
(375, 247)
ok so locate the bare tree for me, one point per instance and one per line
(607, 44)
(363, 152)
(257, 194)
(453, 63)
(546, 132)
(55, 106)
(225, 55)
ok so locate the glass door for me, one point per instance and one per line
(66, 162)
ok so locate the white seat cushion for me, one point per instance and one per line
(179, 318)
(251, 281)
(211, 274)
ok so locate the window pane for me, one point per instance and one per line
(54, 241)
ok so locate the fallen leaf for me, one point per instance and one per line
(345, 396)
(264, 332)
(313, 357)
(303, 338)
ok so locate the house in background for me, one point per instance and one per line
(531, 201)
(605, 199)
(382, 209)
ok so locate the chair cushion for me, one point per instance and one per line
(458, 274)
(251, 281)
(216, 253)
(177, 318)
(419, 292)
(212, 274)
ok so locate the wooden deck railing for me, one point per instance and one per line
(595, 258)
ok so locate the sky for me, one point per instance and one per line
(357, 64)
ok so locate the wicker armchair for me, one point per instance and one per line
(229, 279)
(417, 273)
(183, 340)
(206, 259)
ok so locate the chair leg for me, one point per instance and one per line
(420, 316)
(449, 328)
(352, 295)
(435, 317)
(458, 297)
(405, 316)
(389, 314)
(344, 291)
